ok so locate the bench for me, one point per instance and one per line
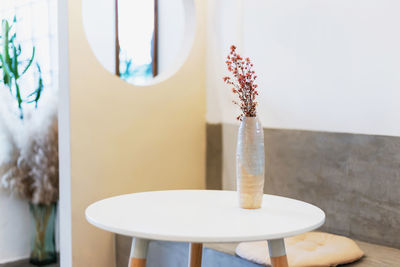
(354, 178)
(376, 256)
(166, 254)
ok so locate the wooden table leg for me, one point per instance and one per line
(138, 252)
(195, 254)
(277, 253)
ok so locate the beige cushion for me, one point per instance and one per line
(307, 250)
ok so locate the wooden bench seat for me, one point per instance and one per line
(376, 255)
(165, 254)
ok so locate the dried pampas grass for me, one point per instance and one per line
(29, 156)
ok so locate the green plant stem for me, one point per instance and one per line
(11, 74)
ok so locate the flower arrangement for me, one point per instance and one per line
(29, 156)
(243, 82)
(29, 143)
(250, 157)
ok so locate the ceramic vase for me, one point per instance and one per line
(250, 163)
(43, 249)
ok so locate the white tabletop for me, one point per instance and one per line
(202, 216)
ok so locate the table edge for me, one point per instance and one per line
(204, 240)
(151, 236)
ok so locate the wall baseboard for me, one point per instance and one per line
(214, 157)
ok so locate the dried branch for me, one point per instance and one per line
(243, 82)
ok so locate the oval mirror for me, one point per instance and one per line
(137, 40)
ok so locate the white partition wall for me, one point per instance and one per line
(64, 138)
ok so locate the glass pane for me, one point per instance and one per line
(135, 34)
(34, 21)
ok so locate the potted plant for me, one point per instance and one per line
(250, 157)
(30, 169)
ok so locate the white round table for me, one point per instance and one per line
(200, 216)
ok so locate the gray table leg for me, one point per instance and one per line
(277, 253)
(138, 252)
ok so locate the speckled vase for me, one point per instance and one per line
(250, 163)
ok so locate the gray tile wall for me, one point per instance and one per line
(214, 157)
(354, 178)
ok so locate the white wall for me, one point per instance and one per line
(323, 65)
(222, 32)
(15, 228)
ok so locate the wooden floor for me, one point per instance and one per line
(25, 263)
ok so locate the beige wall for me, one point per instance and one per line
(128, 139)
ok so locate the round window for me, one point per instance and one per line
(140, 41)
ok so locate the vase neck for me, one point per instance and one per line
(250, 120)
